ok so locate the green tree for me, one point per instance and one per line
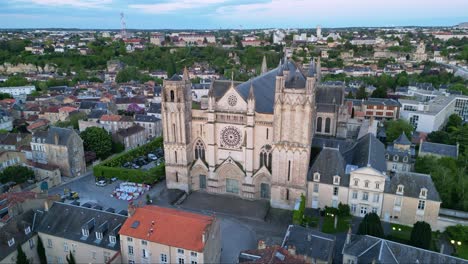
(70, 259)
(440, 136)
(361, 93)
(21, 258)
(421, 235)
(17, 173)
(41, 251)
(460, 87)
(379, 93)
(98, 140)
(454, 122)
(350, 95)
(5, 96)
(371, 225)
(394, 128)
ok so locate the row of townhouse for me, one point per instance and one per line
(149, 234)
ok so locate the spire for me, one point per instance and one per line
(186, 74)
(280, 69)
(312, 68)
(251, 91)
(319, 69)
(264, 65)
(232, 78)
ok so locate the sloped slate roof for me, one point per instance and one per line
(369, 249)
(402, 140)
(62, 133)
(368, 150)
(412, 182)
(322, 163)
(320, 246)
(66, 221)
(439, 149)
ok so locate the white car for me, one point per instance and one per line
(101, 183)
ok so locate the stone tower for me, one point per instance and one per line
(176, 112)
(294, 112)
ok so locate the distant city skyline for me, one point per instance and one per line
(237, 14)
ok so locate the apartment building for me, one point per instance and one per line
(91, 235)
(154, 234)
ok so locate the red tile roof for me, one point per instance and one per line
(171, 227)
(67, 109)
(110, 118)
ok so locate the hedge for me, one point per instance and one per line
(112, 167)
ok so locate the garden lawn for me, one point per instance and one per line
(462, 251)
(342, 225)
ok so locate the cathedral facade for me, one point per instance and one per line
(250, 139)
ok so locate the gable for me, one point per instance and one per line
(369, 171)
(232, 101)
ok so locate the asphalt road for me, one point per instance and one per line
(90, 192)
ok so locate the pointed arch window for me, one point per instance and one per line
(327, 125)
(199, 150)
(266, 157)
(172, 95)
(319, 124)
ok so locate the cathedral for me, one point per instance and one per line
(250, 139)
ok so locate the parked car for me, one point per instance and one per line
(135, 166)
(127, 165)
(151, 156)
(101, 183)
(113, 179)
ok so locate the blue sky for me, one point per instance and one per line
(215, 14)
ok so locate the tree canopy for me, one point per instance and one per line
(371, 225)
(421, 235)
(17, 173)
(394, 128)
(98, 140)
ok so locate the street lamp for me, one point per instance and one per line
(455, 244)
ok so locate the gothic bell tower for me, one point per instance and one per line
(294, 112)
(176, 112)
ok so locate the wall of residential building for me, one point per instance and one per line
(152, 129)
(57, 248)
(399, 166)
(373, 179)
(29, 249)
(325, 195)
(11, 158)
(132, 250)
(53, 177)
(83, 125)
(408, 212)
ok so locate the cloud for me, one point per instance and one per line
(285, 12)
(68, 3)
(174, 5)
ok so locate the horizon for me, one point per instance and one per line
(228, 14)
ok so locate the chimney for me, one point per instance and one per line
(56, 138)
(203, 238)
(292, 250)
(131, 209)
(46, 206)
(348, 236)
(261, 244)
(309, 237)
(442, 247)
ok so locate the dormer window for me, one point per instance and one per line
(11, 242)
(85, 232)
(98, 235)
(405, 159)
(423, 193)
(400, 189)
(336, 180)
(395, 158)
(316, 176)
(112, 239)
(27, 230)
